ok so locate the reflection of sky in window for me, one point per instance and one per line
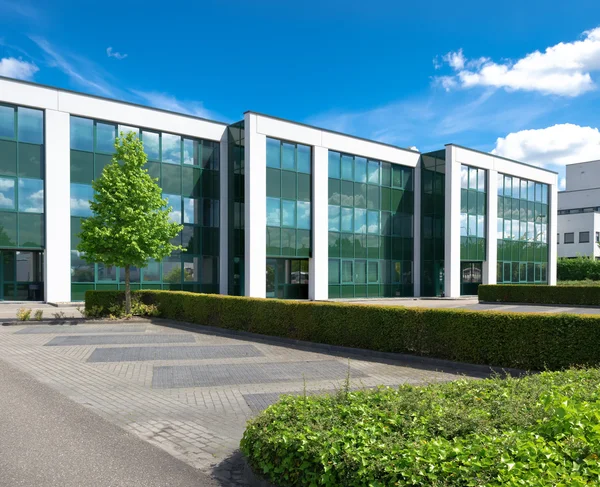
(151, 145)
(464, 177)
(105, 137)
(31, 195)
(360, 169)
(334, 218)
(288, 213)
(81, 194)
(190, 210)
(273, 212)
(347, 220)
(126, 129)
(31, 125)
(174, 201)
(171, 148)
(360, 220)
(7, 193)
(188, 152)
(303, 215)
(373, 221)
(82, 134)
(7, 122)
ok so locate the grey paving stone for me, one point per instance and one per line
(56, 329)
(178, 376)
(138, 354)
(120, 339)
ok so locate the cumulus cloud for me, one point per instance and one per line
(17, 68)
(115, 54)
(563, 69)
(558, 145)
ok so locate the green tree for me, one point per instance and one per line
(130, 219)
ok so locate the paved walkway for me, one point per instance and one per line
(189, 393)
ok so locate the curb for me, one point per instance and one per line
(73, 321)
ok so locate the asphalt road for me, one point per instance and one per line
(48, 440)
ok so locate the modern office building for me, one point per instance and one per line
(270, 207)
(579, 211)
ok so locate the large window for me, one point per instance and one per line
(370, 227)
(522, 230)
(472, 213)
(584, 237)
(21, 177)
(188, 172)
(288, 199)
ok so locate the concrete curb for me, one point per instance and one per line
(73, 321)
(545, 305)
(405, 359)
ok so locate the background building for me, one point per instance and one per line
(270, 208)
(579, 211)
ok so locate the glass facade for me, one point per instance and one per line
(22, 202)
(522, 230)
(235, 161)
(188, 172)
(433, 193)
(371, 206)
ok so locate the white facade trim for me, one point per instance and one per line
(318, 282)
(452, 276)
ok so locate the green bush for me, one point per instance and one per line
(522, 340)
(541, 430)
(578, 269)
(536, 294)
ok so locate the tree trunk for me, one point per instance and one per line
(127, 292)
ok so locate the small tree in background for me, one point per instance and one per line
(130, 220)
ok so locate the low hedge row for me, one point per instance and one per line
(521, 340)
(530, 293)
(578, 269)
(541, 430)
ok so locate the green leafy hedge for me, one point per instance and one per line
(521, 340)
(530, 293)
(578, 269)
(541, 430)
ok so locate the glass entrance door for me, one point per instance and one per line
(471, 277)
(21, 275)
(287, 278)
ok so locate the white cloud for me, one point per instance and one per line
(563, 69)
(92, 79)
(552, 146)
(80, 204)
(7, 184)
(169, 102)
(6, 202)
(115, 54)
(17, 68)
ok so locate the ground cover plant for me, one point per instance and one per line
(541, 430)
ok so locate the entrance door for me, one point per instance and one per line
(21, 275)
(287, 278)
(471, 277)
(271, 277)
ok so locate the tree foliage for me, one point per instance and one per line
(130, 218)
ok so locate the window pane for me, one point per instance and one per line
(82, 134)
(174, 201)
(8, 158)
(105, 137)
(472, 178)
(125, 129)
(481, 179)
(373, 172)
(31, 125)
(210, 155)
(273, 153)
(360, 221)
(303, 187)
(360, 271)
(516, 186)
(273, 212)
(190, 181)
(360, 170)
(304, 215)
(190, 152)
(171, 179)
(31, 230)
(373, 271)
(151, 273)
(7, 122)
(347, 220)
(191, 210)
(373, 221)
(288, 156)
(81, 271)
(334, 271)
(7, 193)
(30, 160)
(8, 229)
(464, 177)
(334, 218)
(151, 145)
(334, 165)
(347, 271)
(481, 226)
(347, 167)
(288, 215)
(303, 159)
(81, 195)
(288, 184)
(171, 270)
(31, 195)
(273, 182)
(171, 149)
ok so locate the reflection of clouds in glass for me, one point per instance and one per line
(174, 201)
(151, 145)
(190, 210)
(464, 177)
(126, 129)
(273, 212)
(31, 195)
(288, 215)
(7, 184)
(7, 193)
(303, 215)
(171, 148)
(188, 151)
(81, 194)
(6, 202)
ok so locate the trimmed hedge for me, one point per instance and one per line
(521, 340)
(536, 294)
(578, 269)
(541, 430)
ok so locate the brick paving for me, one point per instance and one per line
(193, 404)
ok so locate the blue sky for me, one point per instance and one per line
(518, 78)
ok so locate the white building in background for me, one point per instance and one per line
(579, 211)
(270, 207)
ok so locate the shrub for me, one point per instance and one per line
(38, 315)
(536, 431)
(578, 269)
(23, 314)
(536, 294)
(522, 340)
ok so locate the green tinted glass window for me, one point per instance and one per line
(8, 229)
(151, 141)
(303, 159)
(171, 179)
(8, 158)
(31, 161)
(334, 164)
(31, 125)
(31, 230)
(7, 122)
(273, 182)
(171, 148)
(82, 134)
(273, 153)
(105, 137)
(7, 194)
(191, 182)
(100, 162)
(31, 195)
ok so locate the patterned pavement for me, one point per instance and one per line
(187, 392)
